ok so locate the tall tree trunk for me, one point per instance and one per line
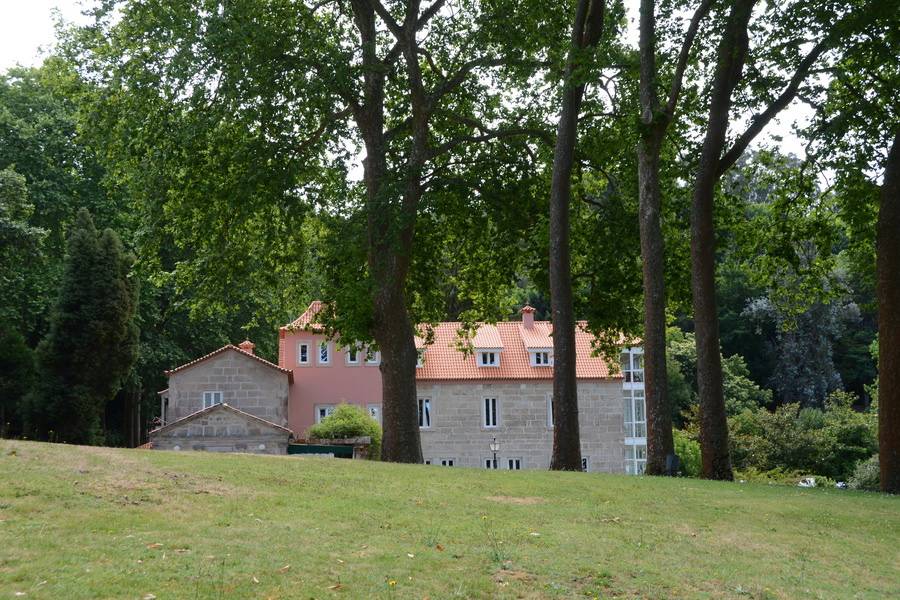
(566, 435)
(732, 53)
(653, 125)
(388, 248)
(888, 267)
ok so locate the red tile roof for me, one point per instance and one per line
(444, 361)
(306, 321)
(195, 362)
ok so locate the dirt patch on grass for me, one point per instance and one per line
(504, 575)
(522, 500)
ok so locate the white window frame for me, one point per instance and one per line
(447, 462)
(376, 357)
(490, 412)
(355, 350)
(634, 464)
(374, 411)
(327, 408)
(632, 376)
(541, 358)
(514, 464)
(426, 417)
(326, 346)
(549, 411)
(635, 428)
(427, 461)
(493, 355)
(300, 346)
(212, 395)
(491, 463)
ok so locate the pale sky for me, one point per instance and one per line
(27, 32)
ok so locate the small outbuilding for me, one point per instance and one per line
(222, 428)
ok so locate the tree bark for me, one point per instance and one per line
(566, 434)
(731, 55)
(888, 268)
(389, 249)
(653, 126)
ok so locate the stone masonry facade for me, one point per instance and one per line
(222, 430)
(246, 384)
(524, 430)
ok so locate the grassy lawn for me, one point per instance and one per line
(80, 522)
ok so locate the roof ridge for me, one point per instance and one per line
(194, 362)
(223, 405)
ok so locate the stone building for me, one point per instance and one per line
(253, 391)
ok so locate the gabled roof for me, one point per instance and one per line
(487, 337)
(216, 407)
(306, 321)
(538, 336)
(197, 361)
(445, 361)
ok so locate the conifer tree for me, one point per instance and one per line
(92, 342)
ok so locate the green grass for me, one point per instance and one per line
(80, 522)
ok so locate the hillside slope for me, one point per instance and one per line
(78, 522)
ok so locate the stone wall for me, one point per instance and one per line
(458, 432)
(221, 430)
(245, 383)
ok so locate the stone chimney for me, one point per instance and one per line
(528, 317)
(247, 346)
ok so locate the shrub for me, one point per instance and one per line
(866, 475)
(349, 421)
(688, 451)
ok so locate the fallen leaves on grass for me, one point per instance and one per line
(284, 569)
(254, 579)
(154, 546)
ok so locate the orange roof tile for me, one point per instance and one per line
(307, 319)
(196, 361)
(444, 361)
(538, 336)
(487, 336)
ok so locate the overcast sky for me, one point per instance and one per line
(26, 33)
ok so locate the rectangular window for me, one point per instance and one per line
(324, 353)
(549, 411)
(490, 412)
(635, 414)
(211, 399)
(427, 461)
(514, 464)
(375, 411)
(541, 358)
(303, 353)
(632, 362)
(424, 413)
(323, 411)
(352, 356)
(372, 357)
(490, 463)
(447, 462)
(488, 359)
(635, 459)
(584, 464)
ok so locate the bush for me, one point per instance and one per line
(866, 475)
(811, 441)
(688, 451)
(348, 421)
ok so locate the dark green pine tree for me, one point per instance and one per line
(93, 340)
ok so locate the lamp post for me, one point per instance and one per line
(495, 448)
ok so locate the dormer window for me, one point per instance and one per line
(541, 358)
(489, 358)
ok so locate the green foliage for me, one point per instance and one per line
(16, 376)
(688, 451)
(347, 421)
(93, 340)
(821, 442)
(866, 475)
